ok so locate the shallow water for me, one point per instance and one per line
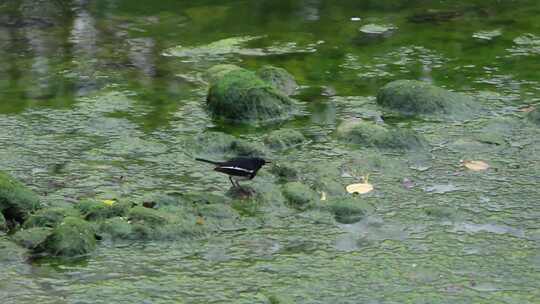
(101, 99)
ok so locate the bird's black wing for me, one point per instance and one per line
(238, 167)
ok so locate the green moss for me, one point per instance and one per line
(374, 135)
(32, 238)
(278, 78)
(49, 217)
(16, 201)
(284, 173)
(147, 216)
(534, 116)
(241, 96)
(300, 196)
(95, 210)
(73, 237)
(347, 210)
(116, 228)
(284, 139)
(247, 207)
(412, 97)
(3, 223)
(218, 71)
(10, 251)
(220, 144)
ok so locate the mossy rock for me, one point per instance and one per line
(49, 217)
(73, 237)
(148, 216)
(300, 196)
(370, 134)
(221, 144)
(32, 238)
(16, 200)
(11, 252)
(284, 139)
(3, 223)
(412, 98)
(218, 71)
(279, 78)
(241, 96)
(534, 116)
(93, 210)
(284, 173)
(347, 210)
(116, 228)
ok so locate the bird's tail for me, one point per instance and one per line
(207, 161)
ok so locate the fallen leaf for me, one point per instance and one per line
(109, 202)
(360, 188)
(527, 109)
(323, 196)
(199, 220)
(476, 165)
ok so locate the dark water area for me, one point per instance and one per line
(103, 99)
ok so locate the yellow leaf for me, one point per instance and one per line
(323, 196)
(199, 220)
(476, 165)
(360, 188)
(109, 202)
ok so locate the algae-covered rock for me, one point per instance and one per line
(3, 223)
(279, 78)
(241, 96)
(216, 72)
(49, 217)
(380, 136)
(412, 97)
(170, 223)
(96, 210)
(534, 116)
(147, 216)
(10, 251)
(16, 201)
(284, 173)
(347, 210)
(116, 228)
(73, 237)
(284, 139)
(31, 238)
(221, 144)
(299, 196)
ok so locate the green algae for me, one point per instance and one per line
(16, 201)
(300, 196)
(476, 244)
(241, 96)
(93, 210)
(32, 238)
(49, 217)
(73, 237)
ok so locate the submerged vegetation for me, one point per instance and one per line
(402, 135)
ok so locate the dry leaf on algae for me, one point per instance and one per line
(476, 165)
(360, 188)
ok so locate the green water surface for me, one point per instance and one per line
(101, 99)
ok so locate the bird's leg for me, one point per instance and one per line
(232, 182)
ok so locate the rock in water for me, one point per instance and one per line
(16, 201)
(73, 237)
(279, 78)
(241, 96)
(370, 134)
(412, 98)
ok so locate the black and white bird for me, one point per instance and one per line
(240, 168)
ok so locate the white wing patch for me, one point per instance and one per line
(239, 169)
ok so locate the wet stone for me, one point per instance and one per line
(16, 201)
